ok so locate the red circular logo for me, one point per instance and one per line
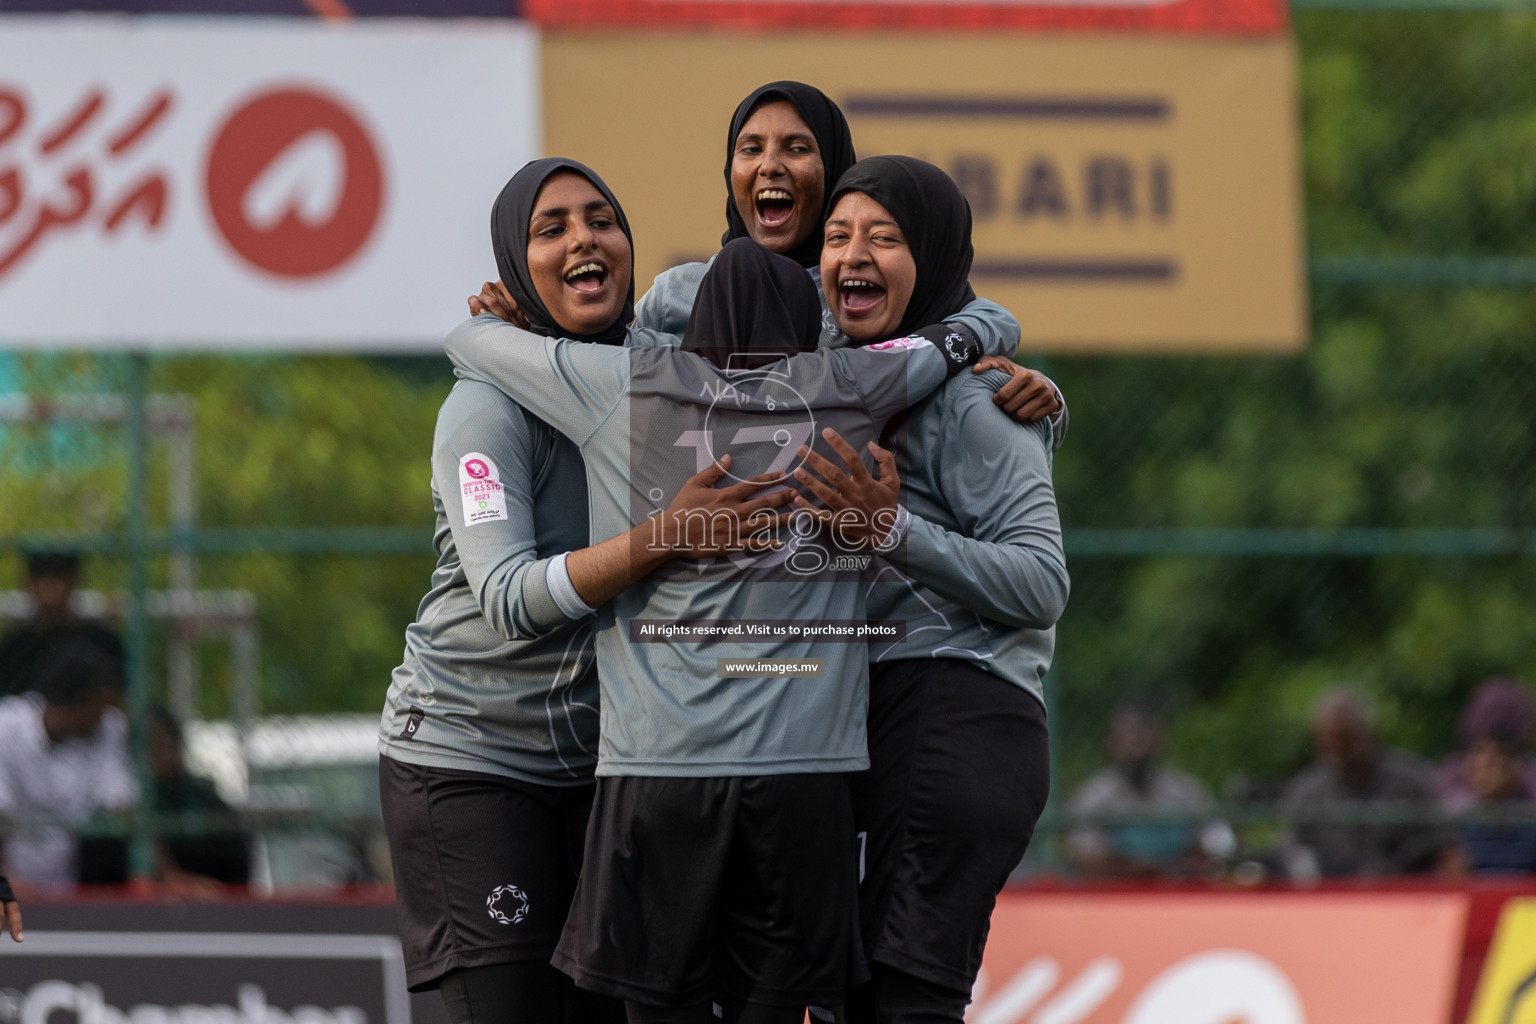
(476, 469)
(294, 183)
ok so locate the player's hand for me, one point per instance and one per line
(1028, 397)
(10, 921)
(704, 520)
(494, 298)
(861, 508)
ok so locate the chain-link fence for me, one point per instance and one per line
(1243, 532)
(270, 644)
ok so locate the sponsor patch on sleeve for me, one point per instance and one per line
(480, 484)
(898, 343)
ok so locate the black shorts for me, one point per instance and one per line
(959, 773)
(485, 866)
(697, 887)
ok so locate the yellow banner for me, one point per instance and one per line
(1132, 193)
(1506, 993)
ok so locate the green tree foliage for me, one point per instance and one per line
(1413, 408)
(317, 441)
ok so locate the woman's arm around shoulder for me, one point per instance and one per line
(485, 457)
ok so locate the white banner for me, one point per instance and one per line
(253, 183)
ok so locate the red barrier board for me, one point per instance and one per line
(1108, 953)
(1264, 958)
(1191, 17)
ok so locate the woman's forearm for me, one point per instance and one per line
(601, 572)
(691, 526)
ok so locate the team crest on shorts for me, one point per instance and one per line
(507, 904)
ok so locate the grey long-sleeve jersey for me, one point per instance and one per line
(667, 304)
(503, 679)
(986, 578)
(648, 418)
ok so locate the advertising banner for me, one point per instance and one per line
(1283, 958)
(1129, 193)
(232, 964)
(1506, 994)
(1260, 17)
(261, 183)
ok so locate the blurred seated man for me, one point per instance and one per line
(1354, 774)
(203, 846)
(1136, 782)
(1494, 771)
(64, 757)
(222, 851)
(27, 650)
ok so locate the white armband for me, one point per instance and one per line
(558, 579)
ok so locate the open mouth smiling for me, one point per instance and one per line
(859, 295)
(774, 207)
(587, 278)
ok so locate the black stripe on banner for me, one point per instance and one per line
(1103, 108)
(1151, 270)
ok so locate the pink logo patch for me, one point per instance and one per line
(896, 343)
(477, 469)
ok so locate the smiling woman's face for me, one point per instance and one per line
(777, 178)
(578, 257)
(867, 269)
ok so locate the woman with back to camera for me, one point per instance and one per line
(958, 746)
(489, 734)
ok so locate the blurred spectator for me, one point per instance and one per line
(223, 852)
(1353, 773)
(27, 650)
(1494, 770)
(64, 757)
(191, 865)
(1136, 782)
(1501, 708)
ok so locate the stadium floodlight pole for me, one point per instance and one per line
(141, 859)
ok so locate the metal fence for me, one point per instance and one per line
(1242, 531)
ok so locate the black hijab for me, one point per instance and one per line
(934, 215)
(827, 123)
(753, 301)
(509, 239)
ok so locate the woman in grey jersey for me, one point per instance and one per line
(959, 770)
(785, 143)
(489, 735)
